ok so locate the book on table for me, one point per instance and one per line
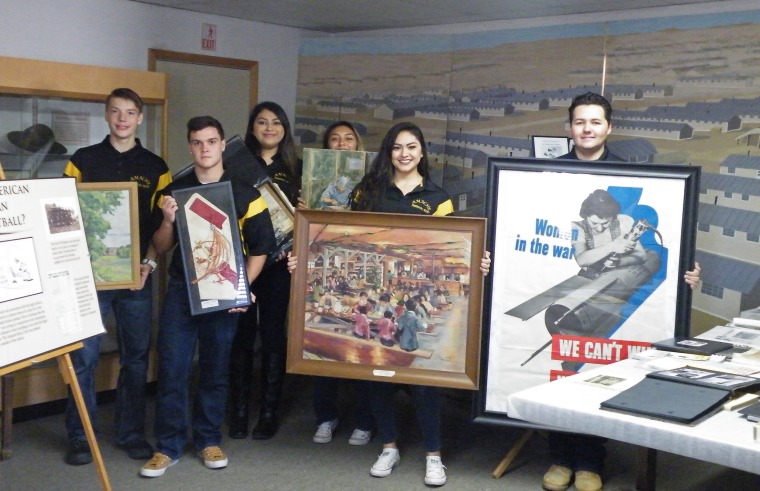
(693, 346)
(682, 395)
(751, 412)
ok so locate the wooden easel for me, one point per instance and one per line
(69, 377)
(513, 452)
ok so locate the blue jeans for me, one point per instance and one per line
(178, 335)
(577, 452)
(132, 310)
(326, 396)
(427, 407)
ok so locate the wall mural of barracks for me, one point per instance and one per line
(684, 90)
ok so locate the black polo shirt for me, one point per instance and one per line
(253, 217)
(426, 199)
(103, 163)
(607, 156)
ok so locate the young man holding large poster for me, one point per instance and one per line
(574, 456)
(120, 158)
(212, 331)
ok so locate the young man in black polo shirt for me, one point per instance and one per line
(120, 158)
(574, 456)
(212, 332)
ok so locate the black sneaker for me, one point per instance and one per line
(78, 453)
(138, 449)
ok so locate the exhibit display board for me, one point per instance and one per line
(47, 291)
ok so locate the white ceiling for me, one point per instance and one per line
(359, 15)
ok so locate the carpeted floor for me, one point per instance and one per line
(291, 461)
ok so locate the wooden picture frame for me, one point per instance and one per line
(545, 316)
(381, 246)
(112, 228)
(212, 250)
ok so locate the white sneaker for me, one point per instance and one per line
(360, 437)
(434, 471)
(386, 462)
(325, 431)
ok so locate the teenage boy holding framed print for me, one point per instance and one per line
(212, 331)
(120, 158)
(577, 457)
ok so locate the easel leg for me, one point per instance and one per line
(70, 377)
(6, 396)
(513, 452)
(646, 469)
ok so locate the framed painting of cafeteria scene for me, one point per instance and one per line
(587, 268)
(387, 297)
(211, 247)
(109, 214)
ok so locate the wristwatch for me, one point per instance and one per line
(150, 262)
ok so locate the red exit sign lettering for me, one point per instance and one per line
(208, 38)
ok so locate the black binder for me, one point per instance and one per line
(694, 346)
(684, 395)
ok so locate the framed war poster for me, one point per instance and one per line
(588, 263)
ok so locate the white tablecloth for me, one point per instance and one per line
(725, 438)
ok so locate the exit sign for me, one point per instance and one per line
(208, 38)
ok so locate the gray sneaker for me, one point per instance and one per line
(325, 431)
(360, 437)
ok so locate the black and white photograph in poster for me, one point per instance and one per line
(47, 290)
(588, 266)
(212, 251)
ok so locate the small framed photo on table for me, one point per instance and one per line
(211, 246)
(550, 147)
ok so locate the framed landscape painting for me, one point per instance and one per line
(109, 214)
(387, 297)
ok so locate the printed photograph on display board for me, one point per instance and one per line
(587, 269)
(387, 297)
(19, 274)
(212, 250)
(329, 176)
(109, 214)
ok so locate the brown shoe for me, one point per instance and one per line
(588, 481)
(557, 478)
(213, 457)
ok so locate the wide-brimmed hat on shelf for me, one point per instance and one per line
(35, 138)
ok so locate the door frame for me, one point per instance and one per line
(156, 55)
